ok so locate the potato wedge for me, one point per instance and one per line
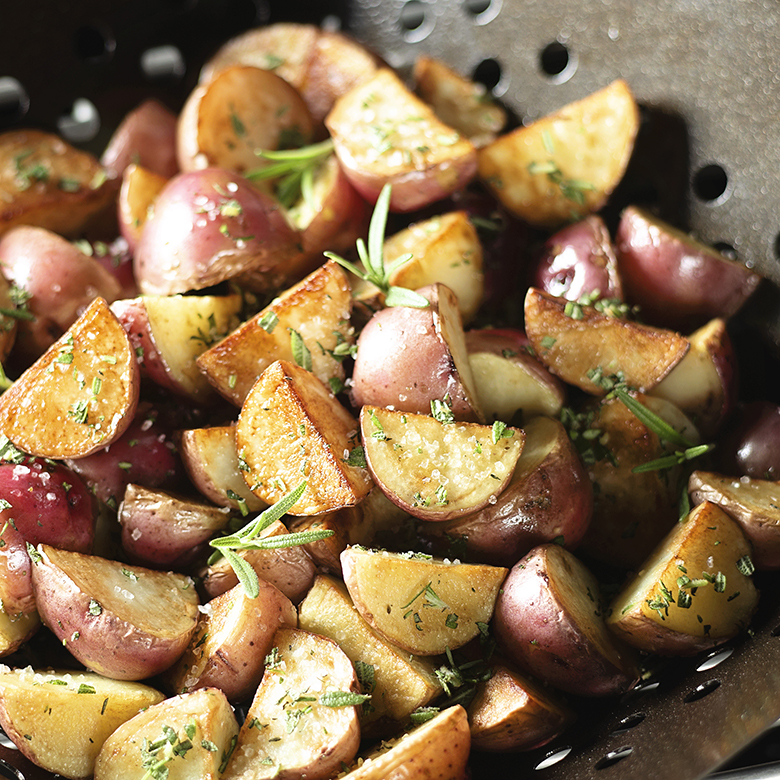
(60, 720)
(695, 590)
(548, 620)
(242, 109)
(384, 134)
(211, 460)
(48, 183)
(398, 683)
(311, 319)
(233, 637)
(419, 603)
(753, 503)
(436, 750)
(289, 568)
(169, 332)
(444, 249)
(513, 712)
(438, 470)
(564, 165)
(460, 103)
(124, 622)
(574, 341)
(80, 395)
(297, 726)
(139, 189)
(291, 428)
(191, 736)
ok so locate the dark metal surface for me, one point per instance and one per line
(707, 73)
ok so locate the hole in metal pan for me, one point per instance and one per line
(628, 723)
(700, 691)
(482, 11)
(82, 123)
(711, 184)
(714, 659)
(94, 44)
(416, 21)
(552, 758)
(6, 770)
(558, 62)
(14, 101)
(613, 757)
(163, 63)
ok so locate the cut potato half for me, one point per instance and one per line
(422, 604)
(60, 720)
(581, 344)
(695, 590)
(436, 470)
(80, 395)
(565, 165)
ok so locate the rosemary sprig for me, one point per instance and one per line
(686, 451)
(246, 539)
(293, 169)
(373, 259)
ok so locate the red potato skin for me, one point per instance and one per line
(147, 456)
(578, 261)
(15, 572)
(146, 136)
(192, 240)
(554, 501)
(61, 280)
(676, 283)
(751, 445)
(50, 504)
(532, 626)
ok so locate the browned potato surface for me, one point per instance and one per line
(80, 395)
(60, 719)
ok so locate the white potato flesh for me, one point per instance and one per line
(564, 165)
(459, 102)
(422, 604)
(125, 622)
(139, 189)
(242, 109)
(310, 317)
(289, 731)
(436, 750)
(292, 428)
(60, 719)
(572, 345)
(159, 737)
(385, 134)
(80, 395)
(445, 249)
(401, 682)
(169, 332)
(211, 460)
(437, 470)
(693, 592)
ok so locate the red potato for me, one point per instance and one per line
(59, 278)
(48, 183)
(235, 633)
(121, 621)
(512, 712)
(8, 323)
(211, 460)
(116, 258)
(704, 383)
(753, 503)
(384, 134)
(209, 226)
(508, 379)
(549, 622)
(460, 103)
(55, 413)
(408, 357)
(145, 137)
(321, 64)
(579, 261)
(140, 187)
(169, 333)
(19, 614)
(47, 503)
(677, 281)
(549, 499)
(583, 343)
(143, 454)
(162, 530)
(750, 445)
(240, 110)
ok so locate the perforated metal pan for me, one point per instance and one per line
(707, 74)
